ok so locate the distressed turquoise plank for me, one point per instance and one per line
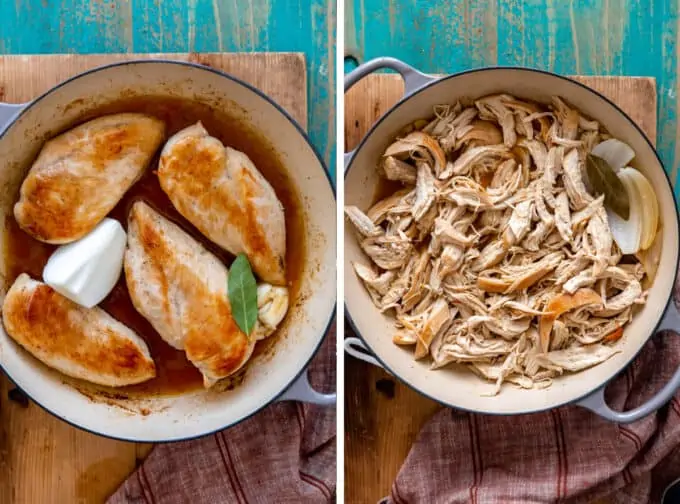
(298, 23)
(101, 26)
(437, 36)
(588, 37)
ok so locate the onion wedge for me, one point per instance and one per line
(649, 206)
(614, 152)
(650, 260)
(628, 233)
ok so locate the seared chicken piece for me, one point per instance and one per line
(80, 175)
(85, 343)
(422, 143)
(362, 222)
(574, 358)
(181, 289)
(398, 170)
(219, 190)
(492, 107)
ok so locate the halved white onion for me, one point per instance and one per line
(650, 260)
(614, 152)
(627, 233)
(648, 204)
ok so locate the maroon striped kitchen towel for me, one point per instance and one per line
(284, 454)
(565, 455)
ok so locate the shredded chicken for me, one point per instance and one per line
(494, 255)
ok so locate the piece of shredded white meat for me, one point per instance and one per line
(493, 255)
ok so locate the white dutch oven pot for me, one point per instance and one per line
(281, 376)
(458, 388)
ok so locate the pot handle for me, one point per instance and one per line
(413, 80)
(595, 402)
(357, 349)
(8, 111)
(301, 390)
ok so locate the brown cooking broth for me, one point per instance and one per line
(175, 374)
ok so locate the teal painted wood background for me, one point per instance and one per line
(101, 26)
(588, 37)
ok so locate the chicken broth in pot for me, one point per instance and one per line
(175, 374)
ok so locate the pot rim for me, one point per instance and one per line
(300, 131)
(404, 99)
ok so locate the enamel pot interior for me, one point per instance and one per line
(455, 386)
(199, 412)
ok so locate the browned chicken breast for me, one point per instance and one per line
(85, 343)
(81, 175)
(181, 288)
(219, 190)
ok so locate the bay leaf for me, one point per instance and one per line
(603, 180)
(242, 291)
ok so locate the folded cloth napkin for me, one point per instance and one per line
(284, 454)
(564, 455)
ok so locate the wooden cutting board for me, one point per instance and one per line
(383, 415)
(42, 459)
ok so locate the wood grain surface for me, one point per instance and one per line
(43, 460)
(382, 415)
